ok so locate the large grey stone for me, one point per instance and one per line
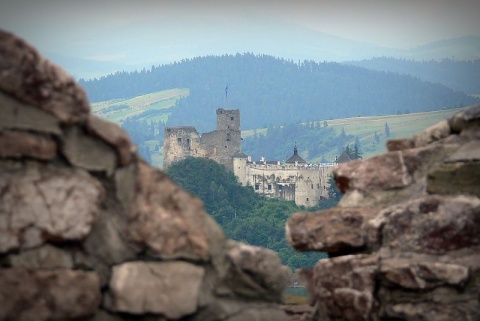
(41, 203)
(59, 294)
(465, 118)
(15, 144)
(337, 230)
(383, 172)
(433, 225)
(27, 76)
(410, 274)
(257, 272)
(44, 257)
(17, 115)
(168, 220)
(433, 133)
(114, 135)
(89, 153)
(454, 179)
(344, 288)
(167, 288)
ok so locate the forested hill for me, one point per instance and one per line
(270, 90)
(459, 75)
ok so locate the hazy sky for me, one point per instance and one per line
(63, 25)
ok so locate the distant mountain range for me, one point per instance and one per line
(140, 45)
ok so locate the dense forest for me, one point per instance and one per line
(244, 215)
(459, 75)
(272, 91)
(313, 140)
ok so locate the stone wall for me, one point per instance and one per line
(303, 183)
(89, 231)
(404, 241)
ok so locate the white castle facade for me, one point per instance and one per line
(292, 180)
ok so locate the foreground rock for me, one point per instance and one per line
(88, 231)
(404, 240)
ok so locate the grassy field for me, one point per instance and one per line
(152, 106)
(400, 126)
(405, 125)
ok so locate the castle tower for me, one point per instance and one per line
(228, 119)
(228, 127)
(240, 167)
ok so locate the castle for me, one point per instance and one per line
(293, 180)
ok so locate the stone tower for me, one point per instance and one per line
(228, 129)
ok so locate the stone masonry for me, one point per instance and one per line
(90, 232)
(404, 241)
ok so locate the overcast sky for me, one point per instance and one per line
(64, 26)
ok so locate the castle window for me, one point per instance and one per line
(307, 199)
(269, 187)
(179, 139)
(228, 137)
(231, 118)
(188, 141)
(280, 187)
(257, 187)
(312, 186)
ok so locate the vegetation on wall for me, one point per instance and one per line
(244, 215)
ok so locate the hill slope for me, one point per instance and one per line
(458, 75)
(319, 143)
(269, 90)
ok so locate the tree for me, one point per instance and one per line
(356, 152)
(333, 192)
(387, 130)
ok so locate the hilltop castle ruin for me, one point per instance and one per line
(293, 180)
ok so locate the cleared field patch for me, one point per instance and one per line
(152, 107)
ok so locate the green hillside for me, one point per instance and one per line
(370, 131)
(151, 107)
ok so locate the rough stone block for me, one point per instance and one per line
(41, 203)
(17, 115)
(434, 133)
(454, 179)
(398, 144)
(338, 230)
(170, 221)
(14, 144)
(257, 272)
(113, 135)
(408, 274)
(27, 76)
(167, 288)
(44, 257)
(344, 287)
(465, 118)
(383, 172)
(59, 294)
(86, 152)
(433, 225)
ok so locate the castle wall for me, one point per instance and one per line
(305, 184)
(180, 143)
